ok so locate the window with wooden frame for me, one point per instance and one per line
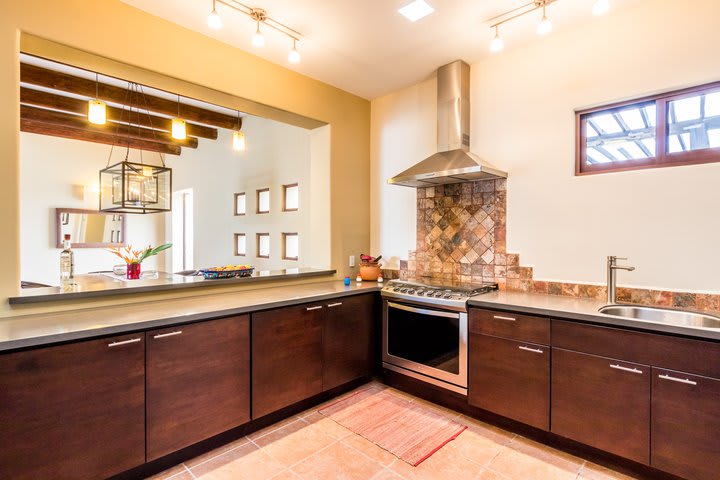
(240, 204)
(672, 129)
(263, 201)
(240, 245)
(290, 243)
(291, 197)
(262, 245)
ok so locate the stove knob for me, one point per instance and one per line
(411, 291)
(447, 295)
(438, 294)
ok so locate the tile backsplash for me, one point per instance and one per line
(461, 230)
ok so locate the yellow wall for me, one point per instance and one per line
(114, 38)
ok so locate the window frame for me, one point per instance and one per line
(284, 245)
(257, 245)
(257, 201)
(284, 197)
(662, 158)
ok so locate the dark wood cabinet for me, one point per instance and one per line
(348, 339)
(287, 355)
(73, 411)
(198, 382)
(525, 328)
(602, 402)
(510, 378)
(685, 424)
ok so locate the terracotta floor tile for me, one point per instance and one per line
(491, 475)
(218, 451)
(445, 412)
(328, 426)
(480, 443)
(247, 462)
(294, 442)
(445, 464)
(285, 475)
(525, 459)
(338, 462)
(386, 474)
(368, 448)
(271, 428)
(591, 471)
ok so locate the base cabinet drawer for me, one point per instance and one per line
(602, 402)
(685, 425)
(198, 382)
(73, 411)
(511, 379)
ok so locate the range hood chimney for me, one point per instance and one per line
(453, 163)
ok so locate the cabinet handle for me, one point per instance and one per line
(124, 342)
(334, 304)
(500, 317)
(626, 369)
(528, 349)
(309, 309)
(171, 334)
(679, 380)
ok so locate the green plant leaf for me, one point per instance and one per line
(149, 252)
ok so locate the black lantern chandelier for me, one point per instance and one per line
(135, 187)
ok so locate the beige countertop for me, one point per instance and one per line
(579, 309)
(41, 329)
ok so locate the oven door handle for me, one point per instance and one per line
(423, 311)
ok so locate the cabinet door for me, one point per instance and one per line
(602, 402)
(286, 357)
(510, 378)
(685, 424)
(73, 411)
(348, 346)
(198, 382)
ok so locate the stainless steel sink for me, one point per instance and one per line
(663, 315)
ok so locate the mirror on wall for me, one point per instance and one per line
(89, 228)
(213, 187)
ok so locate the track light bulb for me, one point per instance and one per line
(294, 55)
(497, 43)
(601, 7)
(545, 26)
(214, 20)
(258, 40)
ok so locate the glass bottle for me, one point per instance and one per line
(67, 263)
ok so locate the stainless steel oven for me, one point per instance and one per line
(426, 343)
(425, 331)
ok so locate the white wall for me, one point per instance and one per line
(276, 155)
(523, 104)
(54, 172)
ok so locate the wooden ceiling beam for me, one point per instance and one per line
(40, 98)
(33, 126)
(52, 79)
(119, 130)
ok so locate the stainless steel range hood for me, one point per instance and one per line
(453, 163)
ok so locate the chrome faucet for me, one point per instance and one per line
(612, 266)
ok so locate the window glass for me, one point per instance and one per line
(263, 245)
(240, 204)
(290, 246)
(693, 122)
(291, 197)
(622, 134)
(263, 201)
(240, 245)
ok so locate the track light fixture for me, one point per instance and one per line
(544, 27)
(259, 16)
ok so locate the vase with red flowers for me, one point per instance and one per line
(134, 258)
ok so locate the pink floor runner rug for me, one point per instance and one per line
(406, 429)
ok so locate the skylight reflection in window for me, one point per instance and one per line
(596, 156)
(607, 123)
(650, 145)
(714, 137)
(651, 111)
(591, 132)
(633, 119)
(674, 145)
(712, 105)
(686, 109)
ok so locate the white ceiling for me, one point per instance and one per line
(366, 47)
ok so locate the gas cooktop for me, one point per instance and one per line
(441, 293)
